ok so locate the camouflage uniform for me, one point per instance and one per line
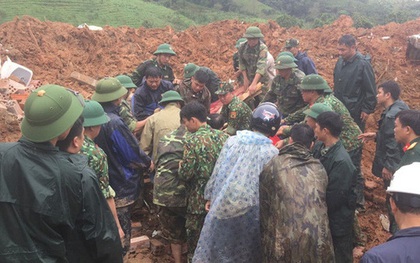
(238, 116)
(98, 162)
(169, 191)
(201, 150)
(138, 75)
(127, 116)
(254, 60)
(188, 95)
(286, 94)
(293, 186)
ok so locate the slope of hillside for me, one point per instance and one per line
(53, 50)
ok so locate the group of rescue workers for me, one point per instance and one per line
(276, 178)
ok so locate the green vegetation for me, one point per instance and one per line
(181, 14)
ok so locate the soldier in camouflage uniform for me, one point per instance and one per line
(201, 150)
(284, 91)
(253, 62)
(286, 184)
(95, 116)
(212, 83)
(194, 89)
(163, 54)
(235, 58)
(125, 108)
(169, 191)
(236, 112)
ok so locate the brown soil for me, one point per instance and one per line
(53, 50)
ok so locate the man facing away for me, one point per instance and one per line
(304, 62)
(354, 81)
(293, 206)
(403, 246)
(52, 209)
(201, 149)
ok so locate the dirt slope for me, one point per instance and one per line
(53, 50)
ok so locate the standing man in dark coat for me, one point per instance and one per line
(354, 81)
(341, 198)
(304, 62)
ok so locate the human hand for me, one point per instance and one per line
(367, 136)
(364, 116)
(279, 144)
(207, 206)
(281, 130)
(386, 174)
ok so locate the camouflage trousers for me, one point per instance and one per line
(194, 224)
(124, 216)
(172, 222)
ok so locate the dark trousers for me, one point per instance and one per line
(356, 158)
(343, 248)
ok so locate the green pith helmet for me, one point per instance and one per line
(94, 114)
(240, 41)
(126, 81)
(170, 95)
(189, 70)
(253, 32)
(317, 109)
(164, 49)
(49, 111)
(292, 43)
(287, 53)
(284, 62)
(314, 82)
(108, 89)
(224, 88)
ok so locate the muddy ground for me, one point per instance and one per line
(54, 50)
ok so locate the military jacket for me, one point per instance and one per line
(169, 189)
(354, 85)
(412, 154)
(201, 150)
(188, 95)
(293, 186)
(127, 116)
(98, 162)
(158, 125)
(238, 116)
(138, 75)
(286, 94)
(253, 60)
(341, 197)
(388, 152)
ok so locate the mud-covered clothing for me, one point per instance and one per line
(354, 85)
(126, 160)
(52, 209)
(238, 116)
(158, 125)
(286, 93)
(402, 247)
(201, 150)
(305, 63)
(253, 60)
(412, 154)
(213, 83)
(231, 229)
(188, 95)
(388, 151)
(294, 185)
(127, 116)
(169, 189)
(138, 75)
(98, 162)
(341, 196)
(145, 100)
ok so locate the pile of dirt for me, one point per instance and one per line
(53, 50)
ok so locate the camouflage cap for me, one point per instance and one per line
(285, 62)
(314, 82)
(126, 81)
(316, 109)
(108, 89)
(287, 53)
(224, 88)
(292, 43)
(253, 32)
(164, 49)
(49, 111)
(94, 114)
(189, 70)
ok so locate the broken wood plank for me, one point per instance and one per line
(83, 78)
